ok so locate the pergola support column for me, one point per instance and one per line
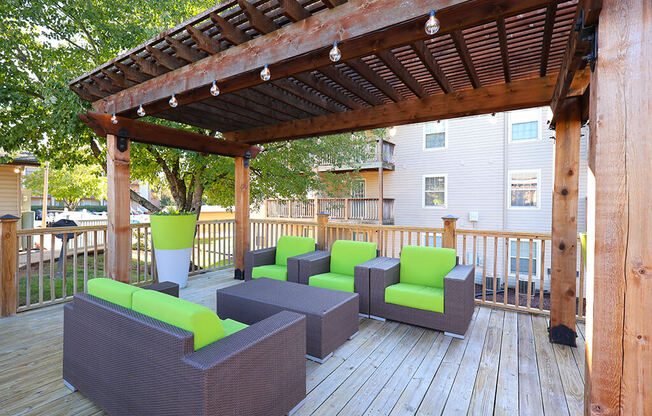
(618, 329)
(241, 213)
(564, 224)
(381, 197)
(118, 237)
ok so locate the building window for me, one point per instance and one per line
(524, 125)
(434, 135)
(358, 188)
(524, 258)
(434, 191)
(524, 189)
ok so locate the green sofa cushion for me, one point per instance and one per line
(416, 296)
(199, 320)
(289, 246)
(112, 291)
(273, 271)
(231, 327)
(333, 281)
(345, 255)
(426, 266)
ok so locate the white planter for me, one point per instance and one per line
(172, 237)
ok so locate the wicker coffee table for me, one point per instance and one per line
(331, 315)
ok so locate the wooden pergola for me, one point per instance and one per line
(587, 60)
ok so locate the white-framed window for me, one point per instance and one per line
(435, 135)
(358, 188)
(524, 189)
(524, 258)
(435, 191)
(523, 125)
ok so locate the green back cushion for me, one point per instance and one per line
(345, 255)
(289, 246)
(112, 291)
(426, 266)
(199, 320)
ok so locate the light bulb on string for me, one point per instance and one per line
(173, 101)
(392, 131)
(335, 54)
(265, 74)
(432, 24)
(114, 119)
(215, 90)
(492, 119)
(140, 111)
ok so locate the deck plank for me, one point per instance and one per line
(529, 389)
(552, 391)
(507, 388)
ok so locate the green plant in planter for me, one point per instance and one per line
(173, 233)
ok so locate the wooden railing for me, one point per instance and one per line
(354, 209)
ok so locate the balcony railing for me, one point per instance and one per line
(374, 162)
(354, 209)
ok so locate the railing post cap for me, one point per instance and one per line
(9, 218)
(450, 217)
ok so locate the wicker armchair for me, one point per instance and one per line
(280, 262)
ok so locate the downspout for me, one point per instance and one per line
(505, 169)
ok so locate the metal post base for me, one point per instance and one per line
(450, 334)
(353, 336)
(297, 407)
(70, 386)
(319, 360)
(378, 318)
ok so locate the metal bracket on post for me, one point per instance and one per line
(588, 34)
(247, 158)
(122, 140)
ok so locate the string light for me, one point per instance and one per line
(492, 119)
(215, 90)
(114, 119)
(173, 101)
(392, 131)
(140, 111)
(335, 54)
(432, 25)
(16, 170)
(265, 74)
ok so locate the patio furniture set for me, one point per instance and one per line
(145, 351)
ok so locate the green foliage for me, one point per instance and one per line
(70, 185)
(46, 43)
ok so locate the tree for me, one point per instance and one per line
(70, 185)
(46, 43)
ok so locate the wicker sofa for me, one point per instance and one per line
(280, 262)
(129, 363)
(425, 287)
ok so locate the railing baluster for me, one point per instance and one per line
(95, 254)
(85, 261)
(517, 272)
(28, 270)
(580, 291)
(40, 268)
(542, 273)
(529, 275)
(484, 268)
(74, 264)
(495, 288)
(506, 271)
(64, 255)
(463, 248)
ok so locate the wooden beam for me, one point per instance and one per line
(333, 3)
(374, 79)
(325, 88)
(183, 51)
(203, 41)
(118, 236)
(504, 54)
(147, 67)
(228, 31)
(132, 73)
(432, 66)
(82, 93)
(618, 329)
(104, 84)
(465, 56)
(293, 10)
(354, 87)
(241, 214)
(564, 225)
(8, 261)
(297, 48)
(94, 91)
(279, 100)
(492, 98)
(551, 11)
(399, 70)
(295, 89)
(164, 59)
(257, 19)
(155, 134)
(254, 107)
(119, 80)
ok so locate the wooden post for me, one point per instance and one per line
(346, 209)
(316, 208)
(449, 238)
(380, 181)
(618, 329)
(241, 214)
(44, 212)
(322, 220)
(564, 224)
(8, 250)
(118, 238)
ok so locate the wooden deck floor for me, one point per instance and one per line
(504, 366)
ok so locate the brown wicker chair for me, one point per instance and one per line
(130, 364)
(268, 257)
(458, 298)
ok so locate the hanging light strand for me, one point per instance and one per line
(173, 101)
(265, 73)
(114, 119)
(140, 111)
(432, 24)
(335, 54)
(215, 90)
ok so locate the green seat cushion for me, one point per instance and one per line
(231, 327)
(333, 281)
(273, 271)
(416, 296)
(290, 246)
(112, 291)
(426, 266)
(345, 255)
(198, 319)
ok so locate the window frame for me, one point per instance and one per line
(509, 189)
(423, 191)
(524, 116)
(536, 255)
(428, 149)
(364, 182)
